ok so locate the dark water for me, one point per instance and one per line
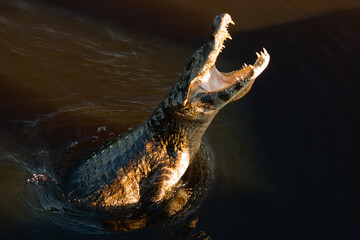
(287, 160)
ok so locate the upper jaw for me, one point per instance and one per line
(219, 35)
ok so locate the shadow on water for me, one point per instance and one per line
(304, 118)
(286, 157)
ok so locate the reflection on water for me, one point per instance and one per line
(285, 155)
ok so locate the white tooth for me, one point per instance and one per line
(237, 78)
(265, 52)
(232, 22)
(242, 78)
(257, 54)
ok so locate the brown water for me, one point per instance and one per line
(286, 155)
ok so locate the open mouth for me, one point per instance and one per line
(210, 80)
(215, 81)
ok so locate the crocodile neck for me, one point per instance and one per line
(166, 126)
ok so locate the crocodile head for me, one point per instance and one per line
(202, 90)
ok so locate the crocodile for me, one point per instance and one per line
(145, 164)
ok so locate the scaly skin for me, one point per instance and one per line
(145, 163)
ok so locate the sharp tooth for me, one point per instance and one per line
(242, 78)
(237, 78)
(244, 65)
(265, 52)
(229, 37)
(257, 54)
(232, 22)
